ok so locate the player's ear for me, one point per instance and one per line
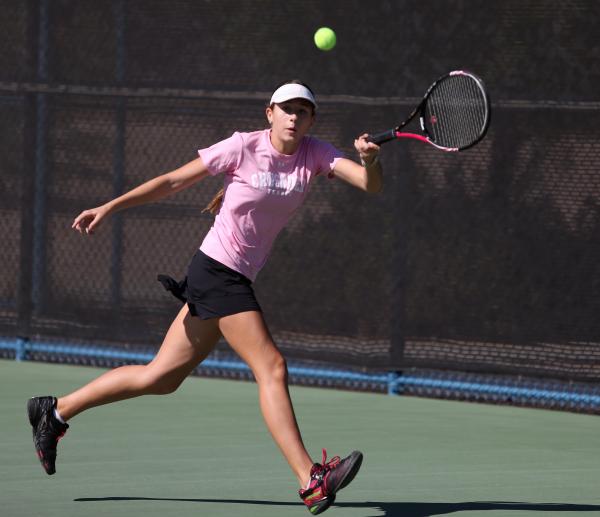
(269, 114)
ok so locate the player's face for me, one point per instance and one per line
(290, 121)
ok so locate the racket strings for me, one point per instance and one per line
(456, 112)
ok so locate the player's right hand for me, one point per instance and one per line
(88, 220)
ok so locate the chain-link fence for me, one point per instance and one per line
(486, 262)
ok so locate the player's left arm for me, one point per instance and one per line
(368, 176)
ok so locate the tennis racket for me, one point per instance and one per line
(454, 114)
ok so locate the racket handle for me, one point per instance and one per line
(380, 138)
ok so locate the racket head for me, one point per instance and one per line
(455, 112)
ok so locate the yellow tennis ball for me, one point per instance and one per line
(325, 38)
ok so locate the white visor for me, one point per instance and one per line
(292, 91)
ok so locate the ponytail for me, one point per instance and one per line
(215, 203)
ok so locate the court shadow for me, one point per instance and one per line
(388, 509)
(422, 509)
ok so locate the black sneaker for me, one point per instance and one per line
(327, 478)
(47, 430)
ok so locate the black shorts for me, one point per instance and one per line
(212, 290)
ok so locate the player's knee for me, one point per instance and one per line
(165, 387)
(280, 369)
(275, 371)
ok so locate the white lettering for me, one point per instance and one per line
(276, 183)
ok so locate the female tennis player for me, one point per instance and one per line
(266, 178)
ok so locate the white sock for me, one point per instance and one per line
(58, 417)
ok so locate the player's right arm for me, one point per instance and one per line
(148, 192)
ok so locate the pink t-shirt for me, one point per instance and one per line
(263, 188)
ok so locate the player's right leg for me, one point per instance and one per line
(188, 341)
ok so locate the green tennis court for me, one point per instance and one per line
(188, 454)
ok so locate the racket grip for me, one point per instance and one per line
(380, 138)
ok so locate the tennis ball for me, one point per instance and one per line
(325, 38)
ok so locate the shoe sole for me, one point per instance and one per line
(322, 506)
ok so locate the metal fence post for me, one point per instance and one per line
(38, 281)
(118, 157)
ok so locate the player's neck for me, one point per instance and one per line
(283, 146)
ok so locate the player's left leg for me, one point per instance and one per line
(248, 335)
